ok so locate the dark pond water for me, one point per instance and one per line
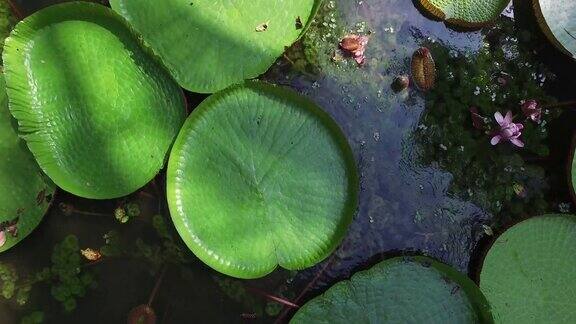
(413, 199)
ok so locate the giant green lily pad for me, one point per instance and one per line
(25, 193)
(98, 113)
(260, 176)
(557, 18)
(400, 290)
(529, 273)
(466, 13)
(210, 44)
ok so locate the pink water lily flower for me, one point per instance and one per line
(532, 110)
(509, 131)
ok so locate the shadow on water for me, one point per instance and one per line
(405, 207)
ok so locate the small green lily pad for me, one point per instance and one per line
(98, 113)
(25, 192)
(260, 176)
(210, 44)
(529, 273)
(466, 13)
(400, 290)
(557, 18)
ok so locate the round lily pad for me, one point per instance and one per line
(529, 273)
(400, 290)
(25, 193)
(557, 18)
(210, 44)
(466, 13)
(98, 113)
(260, 176)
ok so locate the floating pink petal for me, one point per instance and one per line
(355, 46)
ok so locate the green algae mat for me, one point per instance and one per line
(98, 113)
(557, 18)
(400, 290)
(465, 13)
(528, 275)
(25, 193)
(208, 45)
(258, 177)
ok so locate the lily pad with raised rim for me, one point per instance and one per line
(466, 13)
(209, 45)
(529, 273)
(400, 290)
(25, 192)
(260, 176)
(98, 113)
(557, 18)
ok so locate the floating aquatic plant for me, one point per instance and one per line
(557, 18)
(276, 186)
(400, 290)
(98, 134)
(528, 275)
(211, 45)
(466, 13)
(25, 192)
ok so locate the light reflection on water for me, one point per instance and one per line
(404, 206)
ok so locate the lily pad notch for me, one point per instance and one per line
(258, 177)
(95, 108)
(465, 13)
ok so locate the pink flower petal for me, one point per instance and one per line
(508, 118)
(499, 118)
(495, 140)
(2, 238)
(517, 142)
(520, 126)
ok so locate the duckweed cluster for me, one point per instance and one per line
(66, 277)
(501, 77)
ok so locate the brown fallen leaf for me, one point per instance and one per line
(91, 254)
